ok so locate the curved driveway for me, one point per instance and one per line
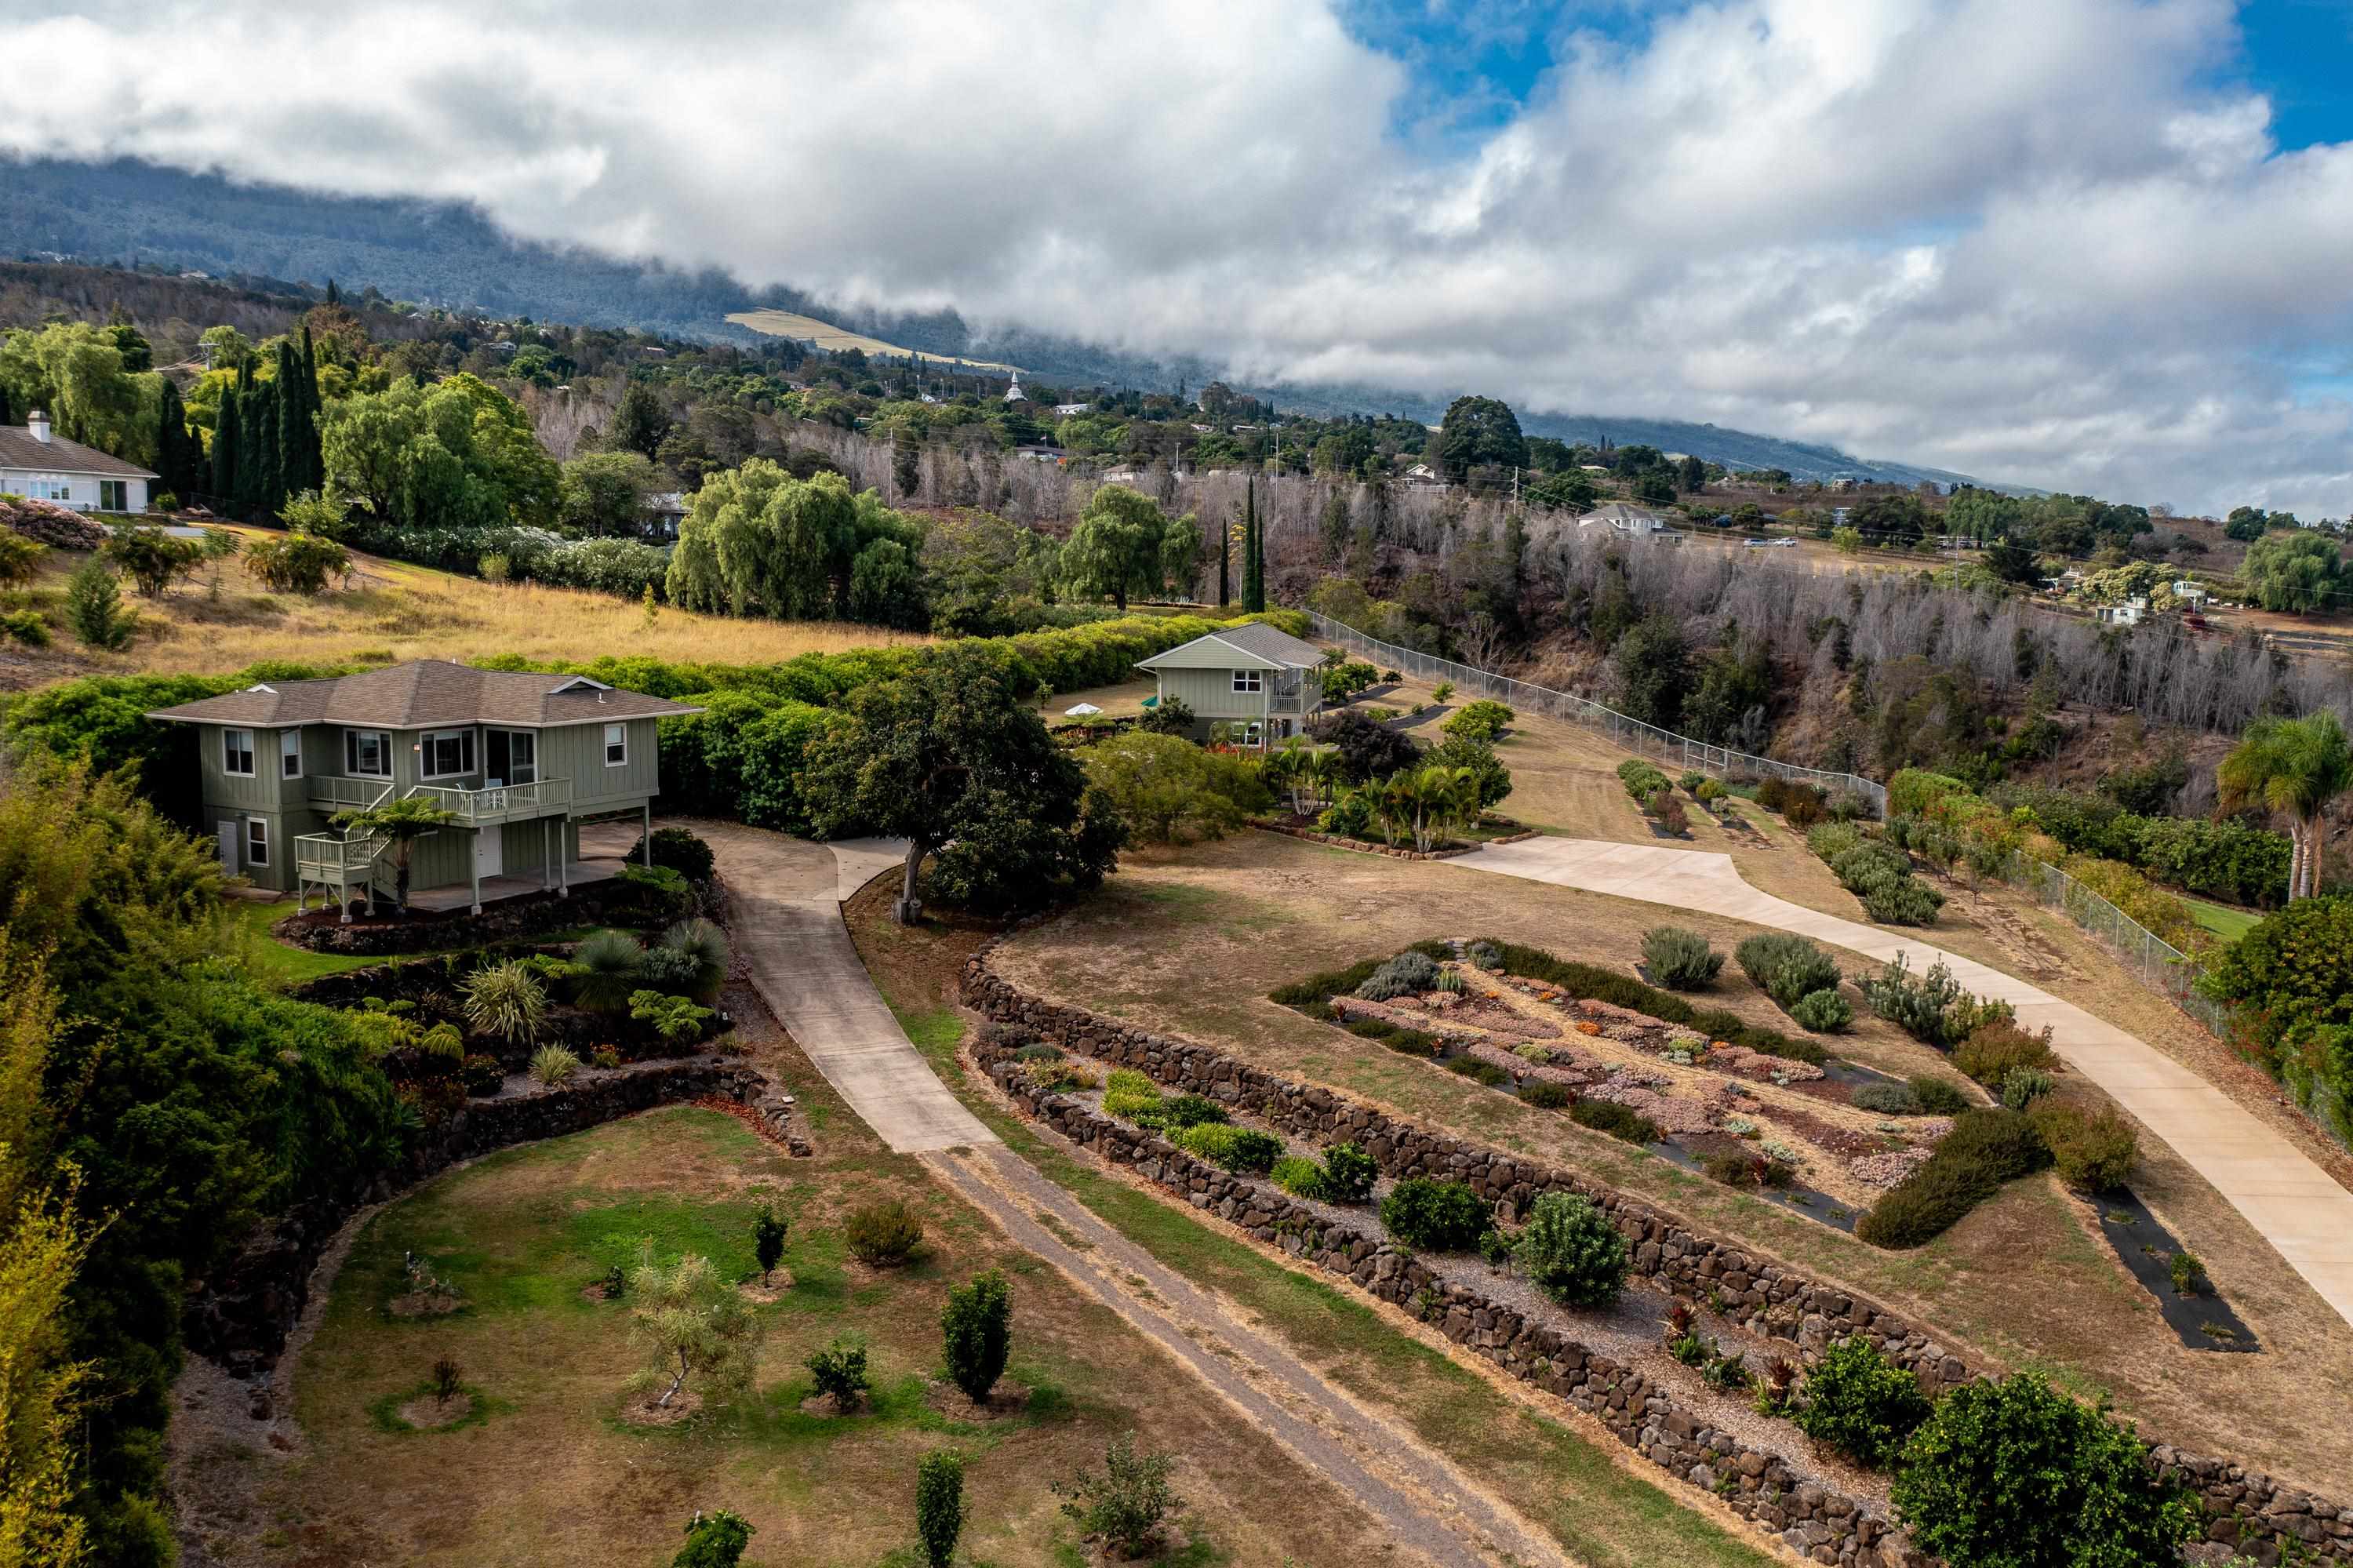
(2290, 1201)
(785, 897)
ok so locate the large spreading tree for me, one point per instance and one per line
(1115, 550)
(1480, 432)
(949, 758)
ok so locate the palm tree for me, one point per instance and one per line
(2295, 767)
(401, 822)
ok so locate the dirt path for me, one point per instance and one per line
(2291, 1202)
(786, 904)
(1433, 1510)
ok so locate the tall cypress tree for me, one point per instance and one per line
(314, 460)
(176, 458)
(1254, 554)
(292, 418)
(1225, 560)
(225, 445)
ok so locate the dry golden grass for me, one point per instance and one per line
(831, 338)
(1192, 941)
(396, 611)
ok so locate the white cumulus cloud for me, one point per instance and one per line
(2025, 238)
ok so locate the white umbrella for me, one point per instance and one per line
(1084, 710)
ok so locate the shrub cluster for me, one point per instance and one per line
(1619, 1121)
(2291, 979)
(1786, 968)
(1878, 872)
(1931, 1008)
(1680, 960)
(1410, 973)
(1641, 779)
(1571, 1252)
(1993, 1050)
(882, 1235)
(1824, 1012)
(1481, 720)
(2226, 860)
(1801, 805)
(1861, 1403)
(2093, 1151)
(1434, 1216)
(1243, 1151)
(1985, 1149)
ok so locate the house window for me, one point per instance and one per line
(368, 753)
(49, 487)
(236, 752)
(257, 840)
(616, 745)
(111, 496)
(448, 753)
(515, 756)
(1249, 681)
(289, 754)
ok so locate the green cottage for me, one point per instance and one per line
(522, 759)
(1258, 679)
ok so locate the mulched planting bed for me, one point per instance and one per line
(2203, 1320)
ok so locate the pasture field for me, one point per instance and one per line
(833, 339)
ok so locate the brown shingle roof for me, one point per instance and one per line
(427, 691)
(59, 455)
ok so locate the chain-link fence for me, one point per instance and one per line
(2160, 966)
(1633, 734)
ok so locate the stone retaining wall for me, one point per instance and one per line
(1818, 1523)
(240, 1316)
(2244, 1508)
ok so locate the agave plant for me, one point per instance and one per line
(607, 963)
(506, 1000)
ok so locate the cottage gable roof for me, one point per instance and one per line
(424, 692)
(59, 455)
(1253, 645)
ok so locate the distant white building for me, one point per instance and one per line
(2129, 613)
(1070, 410)
(1126, 473)
(1421, 476)
(37, 463)
(1634, 522)
(2192, 594)
(1013, 393)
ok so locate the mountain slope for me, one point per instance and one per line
(451, 255)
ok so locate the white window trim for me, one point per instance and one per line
(351, 753)
(610, 761)
(263, 858)
(1251, 681)
(245, 771)
(289, 754)
(527, 736)
(425, 754)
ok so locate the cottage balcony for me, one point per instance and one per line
(472, 807)
(334, 860)
(1294, 696)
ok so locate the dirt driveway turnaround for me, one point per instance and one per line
(2292, 1203)
(785, 914)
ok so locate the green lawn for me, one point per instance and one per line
(279, 961)
(2221, 919)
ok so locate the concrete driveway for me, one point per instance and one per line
(784, 900)
(2291, 1202)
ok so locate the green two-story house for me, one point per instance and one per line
(520, 761)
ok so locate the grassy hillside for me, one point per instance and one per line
(394, 611)
(827, 336)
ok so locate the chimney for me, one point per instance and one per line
(38, 423)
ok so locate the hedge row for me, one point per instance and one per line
(746, 750)
(2226, 860)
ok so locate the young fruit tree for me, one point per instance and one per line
(977, 1325)
(691, 1324)
(939, 1505)
(714, 1539)
(768, 1231)
(1128, 1503)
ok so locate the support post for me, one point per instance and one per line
(563, 858)
(646, 831)
(546, 879)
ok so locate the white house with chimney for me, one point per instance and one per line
(38, 463)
